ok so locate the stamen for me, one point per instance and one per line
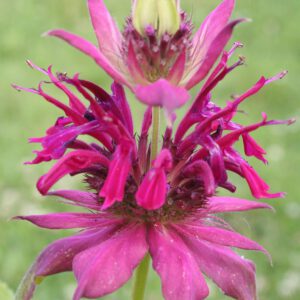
(278, 76)
(235, 46)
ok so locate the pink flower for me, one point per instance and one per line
(150, 60)
(166, 206)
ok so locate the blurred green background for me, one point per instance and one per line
(272, 44)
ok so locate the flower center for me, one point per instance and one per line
(156, 54)
(186, 194)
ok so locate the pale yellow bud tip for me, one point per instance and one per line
(162, 15)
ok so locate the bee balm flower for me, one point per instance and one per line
(156, 48)
(134, 205)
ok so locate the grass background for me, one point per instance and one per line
(271, 44)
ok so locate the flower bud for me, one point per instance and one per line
(162, 15)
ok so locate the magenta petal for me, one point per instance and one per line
(177, 70)
(213, 52)
(134, 67)
(252, 148)
(258, 186)
(57, 141)
(121, 102)
(90, 50)
(213, 25)
(147, 122)
(143, 140)
(163, 160)
(222, 237)
(108, 35)
(201, 169)
(175, 264)
(162, 93)
(74, 102)
(230, 109)
(152, 192)
(76, 41)
(230, 204)
(78, 198)
(71, 113)
(68, 220)
(119, 167)
(232, 273)
(72, 162)
(105, 268)
(58, 257)
(216, 158)
(153, 189)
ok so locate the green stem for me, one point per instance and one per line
(142, 270)
(155, 132)
(141, 279)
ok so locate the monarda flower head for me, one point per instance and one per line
(156, 53)
(142, 198)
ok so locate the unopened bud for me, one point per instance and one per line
(162, 15)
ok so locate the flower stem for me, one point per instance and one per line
(155, 132)
(142, 270)
(141, 279)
